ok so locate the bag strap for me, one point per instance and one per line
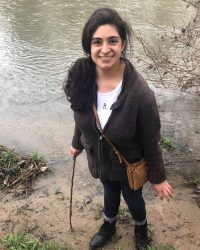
(119, 155)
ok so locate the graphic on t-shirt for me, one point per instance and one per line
(105, 102)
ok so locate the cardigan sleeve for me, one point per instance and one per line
(76, 140)
(149, 134)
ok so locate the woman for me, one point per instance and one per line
(128, 115)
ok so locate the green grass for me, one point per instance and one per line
(194, 180)
(162, 247)
(7, 158)
(124, 216)
(98, 211)
(166, 143)
(119, 248)
(36, 157)
(158, 247)
(28, 242)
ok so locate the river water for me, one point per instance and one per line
(39, 39)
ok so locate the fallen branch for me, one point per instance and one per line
(17, 170)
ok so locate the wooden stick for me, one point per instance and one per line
(71, 195)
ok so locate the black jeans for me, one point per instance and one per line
(134, 199)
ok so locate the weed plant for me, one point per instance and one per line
(36, 157)
(124, 216)
(167, 144)
(7, 158)
(194, 180)
(28, 242)
(161, 247)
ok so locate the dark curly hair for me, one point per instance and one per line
(80, 82)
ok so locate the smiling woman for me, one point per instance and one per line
(129, 118)
(106, 47)
(106, 50)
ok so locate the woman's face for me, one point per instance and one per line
(106, 47)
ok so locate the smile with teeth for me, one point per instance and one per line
(106, 57)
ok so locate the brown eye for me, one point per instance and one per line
(113, 40)
(96, 41)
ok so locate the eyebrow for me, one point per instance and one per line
(108, 37)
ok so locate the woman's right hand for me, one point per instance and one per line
(74, 152)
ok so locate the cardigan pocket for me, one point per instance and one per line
(89, 155)
(116, 165)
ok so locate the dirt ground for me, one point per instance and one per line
(45, 214)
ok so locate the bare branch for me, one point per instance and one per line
(176, 58)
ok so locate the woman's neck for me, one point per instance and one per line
(108, 80)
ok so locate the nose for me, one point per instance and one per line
(105, 48)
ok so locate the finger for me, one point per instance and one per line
(160, 195)
(166, 195)
(155, 191)
(169, 192)
(170, 188)
(72, 153)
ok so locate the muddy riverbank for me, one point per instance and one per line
(45, 213)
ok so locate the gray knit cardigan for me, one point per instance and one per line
(133, 127)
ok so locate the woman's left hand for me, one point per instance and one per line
(163, 190)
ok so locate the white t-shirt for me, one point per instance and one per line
(104, 103)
